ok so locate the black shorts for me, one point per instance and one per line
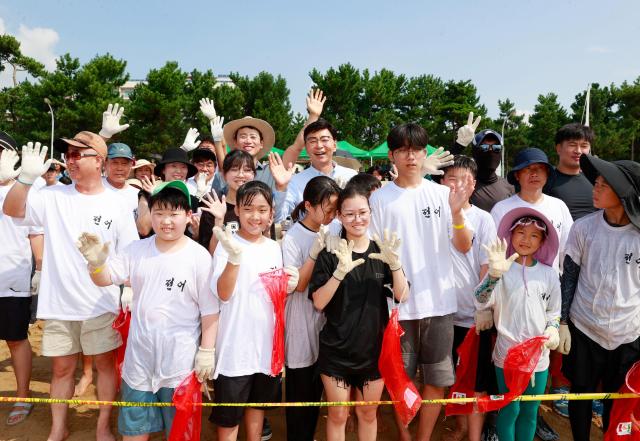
(255, 388)
(15, 313)
(485, 371)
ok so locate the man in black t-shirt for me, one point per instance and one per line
(567, 181)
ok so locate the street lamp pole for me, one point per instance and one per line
(48, 103)
(502, 165)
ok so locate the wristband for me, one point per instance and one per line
(24, 183)
(458, 227)
(97, 270)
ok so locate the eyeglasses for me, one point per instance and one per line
(350, 217)
(323, 139)
(524, 221)
(252, 137)
(404, 151)
(76, 156)
(490, 147)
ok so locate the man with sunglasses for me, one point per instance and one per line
(486, 150)
(78, 315)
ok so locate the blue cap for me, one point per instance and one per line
(482, 134)
(525, 158)
(119, 150)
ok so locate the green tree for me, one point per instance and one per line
(548, 116)
(515, 129)
(11, 55)
(629, 113)
(459, 98)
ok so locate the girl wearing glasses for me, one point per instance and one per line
(349, 286)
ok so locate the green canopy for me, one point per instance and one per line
(355, 151)
(382, 151)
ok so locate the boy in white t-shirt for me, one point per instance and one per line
(173, 309)
(245, 338)
(469, 269)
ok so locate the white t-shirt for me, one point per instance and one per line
(466, 267)
(245, 330)
(171, 291)
(129, 193)
(521, 314)
(553, 208)
(606, 304)
(39, 183)
(303, 321)
(15, 254)
(422, 218)
(66, 290)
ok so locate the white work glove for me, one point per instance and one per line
(216, 128)
(207, 108)
(8, 162)
(498, 263)
(319, 242)
(231, 246)
(201, 185)
(126, 299)
(389, 247)
(341, 181)
(191, 140)
(35, 283)
(564, 339)
(331, 242)
(294, 276)
(33, 164)
(205, 363)
(111, 121)
(554, 338)
(93, 250)
(468, 131)
(484, 320)
(432, 164)
(345, 259)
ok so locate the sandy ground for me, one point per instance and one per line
(82, 418)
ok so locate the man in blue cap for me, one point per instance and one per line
(117, 168)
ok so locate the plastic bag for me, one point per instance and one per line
(406, 398)
(466, 370)
(275, 283)
(121, 324)
(518, 368)
(624, 423)
(187, 398)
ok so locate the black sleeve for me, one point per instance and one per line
(207, 221)
(456, 149)
(325, 265)
(568, 285)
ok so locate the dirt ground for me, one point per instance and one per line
(82, 418)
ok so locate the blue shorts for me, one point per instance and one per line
(134, 421)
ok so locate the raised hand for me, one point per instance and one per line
(33, 164)
(468, 131)
(498, 262)
(207, 108)
(389, 247)
(294, 276)
(216, 128)
(111, 121)
(459, 195)
(432, 164)
(93, 249)
(216, 207)
(319, 242)
(148, 184)
(201, 185)
(191, 140)
(345, 259)
(315, 102)
(231, 246)
(8, 162)
(281, 174)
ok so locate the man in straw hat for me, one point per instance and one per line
(600, 317)
(78, 315)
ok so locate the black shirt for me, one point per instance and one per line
(357, 315)
(207, 222)
(574, 190)
(485, 196)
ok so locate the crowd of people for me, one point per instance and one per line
(183, 244)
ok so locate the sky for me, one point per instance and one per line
(514, 49)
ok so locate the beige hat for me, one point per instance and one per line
(83, 140)
(143, 162)
(265, 129)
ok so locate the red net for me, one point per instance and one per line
(275, 283)
(187, 398)
(624, 423)
(121, 324)
(465, 384)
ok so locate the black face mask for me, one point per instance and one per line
(487, 162)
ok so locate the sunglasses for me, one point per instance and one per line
(76, 156)
(490, 147)
(524, 221)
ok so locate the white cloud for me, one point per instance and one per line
(2, 28)
(597, 49)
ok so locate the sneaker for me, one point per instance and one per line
(544, 431)
(561, 407)
(489, 434)
(267, 434)
(597, 407)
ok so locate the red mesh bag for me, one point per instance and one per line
(187, 399)
(121, 324)
(624, 423)
(275, 283)
(465, 384)
(406, 398)
(518, 368)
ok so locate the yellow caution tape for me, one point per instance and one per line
(547, 397)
